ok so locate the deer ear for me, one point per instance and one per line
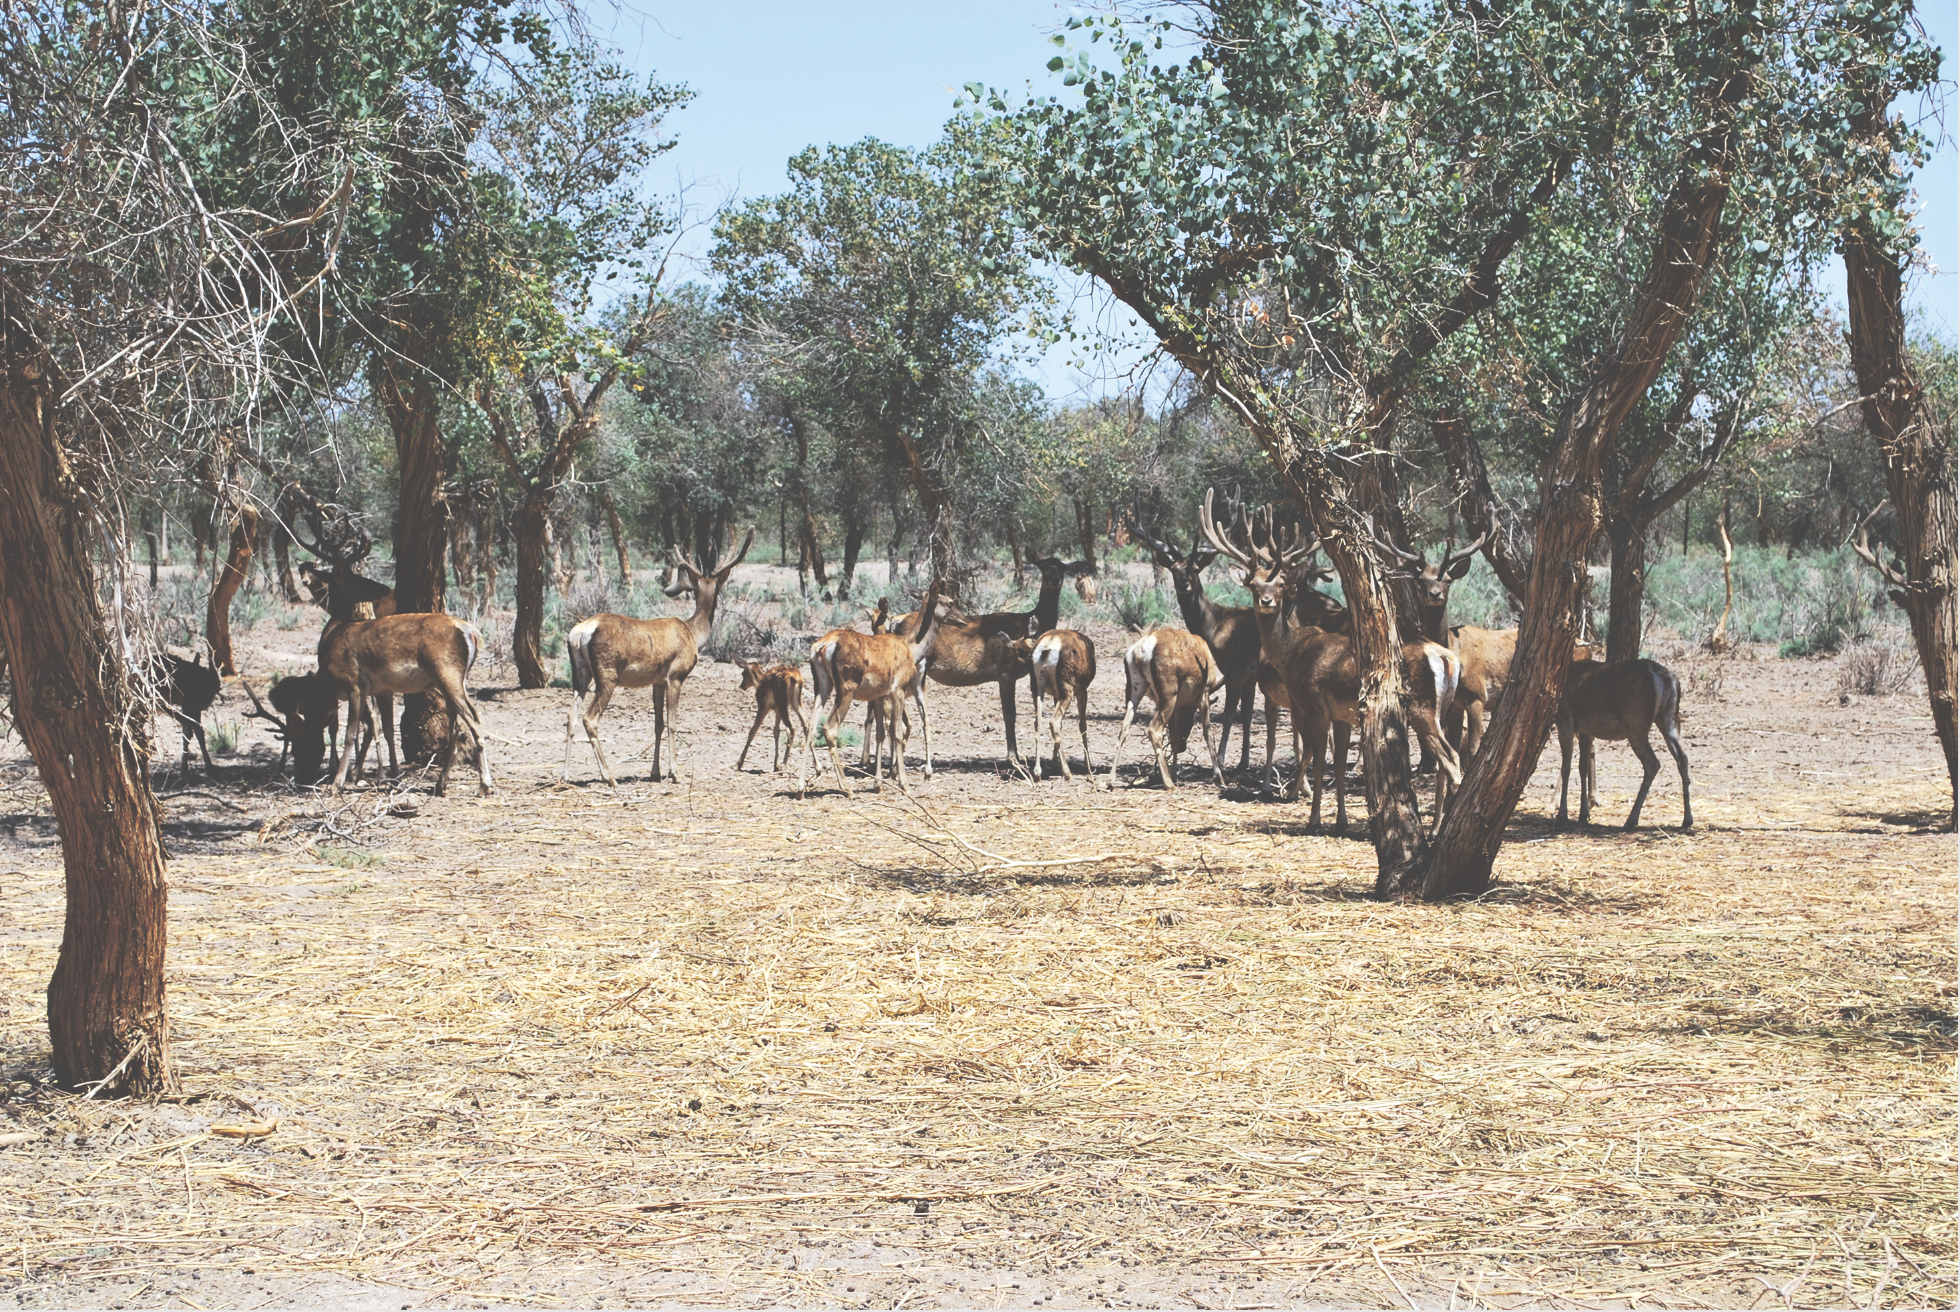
(1462, 567)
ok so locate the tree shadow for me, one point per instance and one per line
(1919, 819)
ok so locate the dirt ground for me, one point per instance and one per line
(1009, 1044)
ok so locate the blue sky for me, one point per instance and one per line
(772, 78)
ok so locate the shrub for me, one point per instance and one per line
(1879, 667)
(1140, 608)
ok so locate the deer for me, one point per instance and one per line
(1485, 653)
(608, 652)
(1062, 665)
(1260, 555)
(778, 691)
(304, 718)
(1176, 670)
(399, 655)
(1323, 678)
(968, 653)
(316, 582)
(1230, 631)
(1620, 700)
(188, 688)
(872, 667)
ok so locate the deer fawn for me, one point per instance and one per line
(1175, 669)
(1621, 700)
(188, 687)
(609, 652)
(778, 692)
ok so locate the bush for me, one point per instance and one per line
(1808, 604)
(1139, 609)
(1878, 668)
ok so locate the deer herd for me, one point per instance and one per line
(1291, 645)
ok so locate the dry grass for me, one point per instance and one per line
(704, 1044)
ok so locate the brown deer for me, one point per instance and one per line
(187, 687)
(778, 692)
(968, 653)
(1620, 700)
(609, 652)
(398, 655)
(1176, 670)
(1323, 680)
(871, 667)
(1062, 663)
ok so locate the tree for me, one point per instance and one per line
(136, 316)
(1919, 451)
(891, 278)
(573, 135)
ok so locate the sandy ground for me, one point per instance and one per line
(704, 1043)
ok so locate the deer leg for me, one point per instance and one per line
(1588, 778)
(571, 723)
(1272, 744)
(761, 713)
(902, 726)
(1055, 711)
(1225, 716)
(463, 717)
(925, 725)
(1129, 715)
(601, 698)
(1314, 738)
(1340, 777)
(387, 705)
(350, 759)
(202, 746)
(1082, 723)
(1650, 765)
(1159, 734)
(673, 722)
(1564, 774)
(1204, 731)
(796, 708)
(1007, 716)
(1248, 699)
(1671, 735)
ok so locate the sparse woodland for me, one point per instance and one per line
(292, 292)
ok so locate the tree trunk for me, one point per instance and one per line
(618, 532)
(282, 555)
(421, 534)
(1014, 550)
(106, 1013)
(533, 530)
(809, 550)
(1085, 529)
(217, 613)
(1919, 462)
(853, 546)
(1627, 593)
(1571, 515)
(150, 542)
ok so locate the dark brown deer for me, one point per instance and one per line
(188, 687)
(305, 719)
(609, 652)
(1620, 701)
(778, 692)
(967, 652)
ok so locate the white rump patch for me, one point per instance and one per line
(1144, 648)
(581, 634)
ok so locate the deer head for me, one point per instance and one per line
(1433, 582)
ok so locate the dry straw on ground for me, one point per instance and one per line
(717, 1041)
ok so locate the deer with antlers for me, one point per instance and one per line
(1177, 672)
(609, 652)
(1619, 701)
(875, 667)
(778, 692)
(1231, 632)
(304, 718)
(968, 652)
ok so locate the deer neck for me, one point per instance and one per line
(703, 618)
(1048, 606)
(1434, 625)
(1199, 610)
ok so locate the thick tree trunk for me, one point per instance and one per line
(1627, 593)
(1919, 473)
(532, 530)
(217, 612)
(421, 534)
(809, 549)
(1571, 515)
(1085, 530)
(106, 1014)
(853, 547)
(282, 556)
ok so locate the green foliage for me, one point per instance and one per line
(1141, 608)
(1807, 604)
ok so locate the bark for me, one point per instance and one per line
(527, 630)
(1020, 558)
(935, 500)
(150, 542)
(618, 532)
(282, 556)
(106, 1014)
(1571, 515)
(1627, 593)
(217, 613)
(1919, 474)
(853, 547)
(1472, 487)
(421, 532)
(809, 549)
(1085, 529)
